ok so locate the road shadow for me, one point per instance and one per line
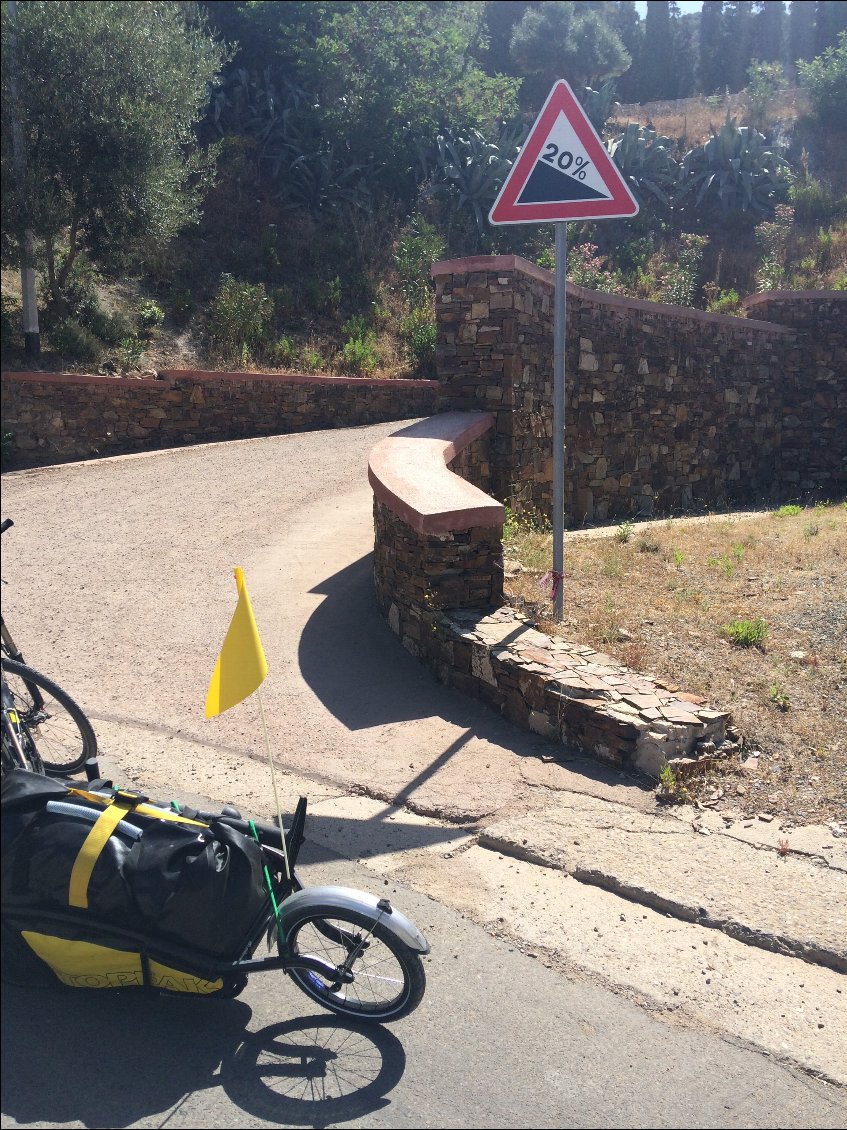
(363, 675)
(316, 1071)
(355, 664)
(112, 1058)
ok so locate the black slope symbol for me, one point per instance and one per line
(548, 186)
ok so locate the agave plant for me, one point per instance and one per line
(287, 146)
(321, 182)
(250, 104)
(468, 169)
(736, 171)
(600, 104)
(647, 163)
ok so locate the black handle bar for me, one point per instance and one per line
(6, 523)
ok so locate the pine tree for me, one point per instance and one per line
(658, 71)
(830, 21)
(801, 30)
(713, 73)
(623, 17)
(685, 34)
(738, 28)
(769, 31)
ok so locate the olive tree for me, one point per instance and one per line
(104, 98)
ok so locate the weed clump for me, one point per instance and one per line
(746, 633)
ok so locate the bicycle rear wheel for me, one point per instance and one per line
(59, 729)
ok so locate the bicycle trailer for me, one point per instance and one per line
(103, 889)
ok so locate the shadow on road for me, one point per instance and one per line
(364, 676)
(112, 1058)
(353, 662)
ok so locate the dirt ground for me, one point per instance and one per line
(663, 596)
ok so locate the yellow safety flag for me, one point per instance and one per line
(241, 665)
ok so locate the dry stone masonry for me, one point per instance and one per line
(57, 417)
(668, 409)
(441, 592)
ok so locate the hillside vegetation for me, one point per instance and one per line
(266, 185)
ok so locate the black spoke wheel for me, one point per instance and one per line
(60, 731)
(388, 978)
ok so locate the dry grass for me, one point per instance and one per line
(691, 120)
(657, 596)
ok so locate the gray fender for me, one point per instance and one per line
(325, 900)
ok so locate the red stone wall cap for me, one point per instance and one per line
(765, 296)
(408, 473)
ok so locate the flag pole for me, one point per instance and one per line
(273, 780)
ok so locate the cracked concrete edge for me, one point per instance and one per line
(775, 1004)
(360, 834)
(764, 939)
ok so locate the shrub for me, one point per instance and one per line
(112, 329)
(10, 324)
(772, 237)
(587, 268)
(239, 315)
(181, 306)
(813, 202)
(7, 449)
(283, 353)
(825, 78)
(359, 356)
(418, 332)
(419, 246)
(150, 315)
(129, 353)
(765, 82)
(746, 633)
(678, 284)
(722, 301)
(75, 342)
(312, 361)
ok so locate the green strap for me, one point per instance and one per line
(269, 885)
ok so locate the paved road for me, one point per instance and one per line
(120, 587)
(120, 582)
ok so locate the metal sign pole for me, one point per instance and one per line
(559, 316)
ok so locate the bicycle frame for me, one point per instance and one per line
(11, 648)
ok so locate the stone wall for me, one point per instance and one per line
(666, 409)
(418, 572)
(439, 584)
(58, 417)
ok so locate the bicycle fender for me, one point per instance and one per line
(327, 899)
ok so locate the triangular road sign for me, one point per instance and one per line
(563, 171)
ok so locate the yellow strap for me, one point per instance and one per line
(90, 851)
(142, 809)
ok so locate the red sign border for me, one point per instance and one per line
(622, 204)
